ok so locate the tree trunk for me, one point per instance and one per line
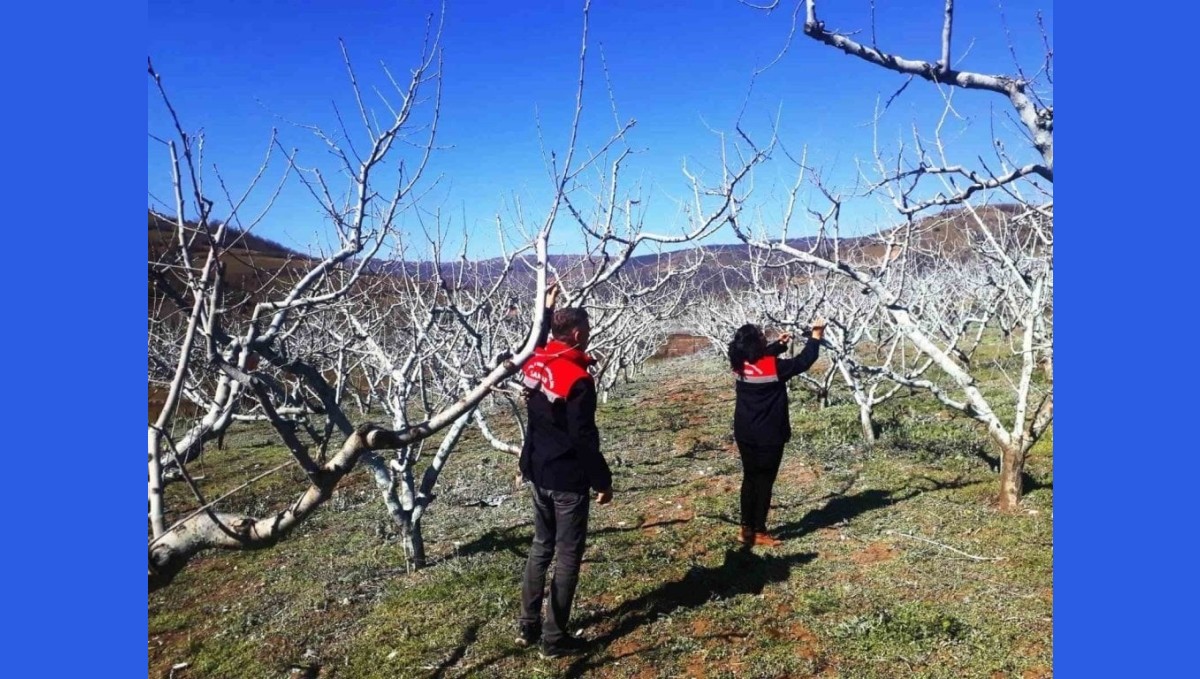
(406, 503)
(414, 544)
(157, 523)
(1012, 469)
(864, 418)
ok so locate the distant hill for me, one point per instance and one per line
(162, 236)
(253, 263)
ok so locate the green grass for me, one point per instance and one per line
(895, 561)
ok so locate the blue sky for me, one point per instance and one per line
(682, 70)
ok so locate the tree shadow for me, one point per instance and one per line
(743, 572)
(992, 461)
(472, 669)
(309, 671)
(513, 539)
(1028, 482)
(719, 518)
(469, 636)
(516, 539)
(653, 486)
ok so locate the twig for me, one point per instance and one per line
(938, 544)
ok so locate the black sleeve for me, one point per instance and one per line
(775, 348)
(790, 367)
(585, 438)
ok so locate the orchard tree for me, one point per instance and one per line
(429, 346)
(226, 350)
(1015, 243)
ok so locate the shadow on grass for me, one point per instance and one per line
(517, 539)
(469, 636)
(311, 671)
(654, 487)
(1028, 482)
(742, 572)
(843, 508)
(513, 539)
(472, 669)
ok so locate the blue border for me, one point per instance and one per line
(1124, 592)
(1123, 570)
(73, 338)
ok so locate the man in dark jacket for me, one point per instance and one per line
(761, 425)
(561, 460)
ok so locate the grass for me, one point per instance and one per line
(895, 561)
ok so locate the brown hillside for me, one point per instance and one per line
(253, 265)
(256, 266)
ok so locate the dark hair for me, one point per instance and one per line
(567, 319)
(748, 345)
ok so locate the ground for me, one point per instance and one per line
(895, 561)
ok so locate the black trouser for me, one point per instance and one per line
(760, 466)
(559, 530)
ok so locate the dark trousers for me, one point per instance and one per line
(760, 466)
(559, 531)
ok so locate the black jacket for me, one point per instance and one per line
(760, 414)
(562, 444)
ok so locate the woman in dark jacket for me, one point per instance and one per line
(760, 418)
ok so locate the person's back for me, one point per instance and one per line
(561, 460)
(761, 424)
(562, 444)
(760, 413)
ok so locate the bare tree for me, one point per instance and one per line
(905, 311)
(433, 346)
(428, 335)
(1016, 244)
(759, 287)
(217, 343)
(630, 313)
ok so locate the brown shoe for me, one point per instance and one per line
(745, 536)
(765, 539)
